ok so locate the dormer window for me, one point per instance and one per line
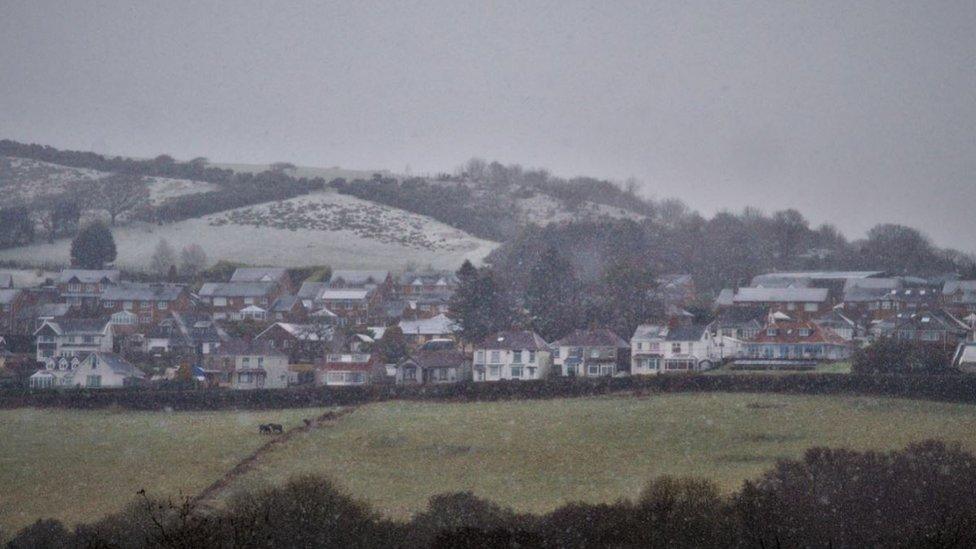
(805, 332)
(771, 332)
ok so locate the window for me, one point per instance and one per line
(531, 372)
(517, 357)
(652, 363)
(516, 372)
(127, 305)
(676, 348)
(791, 306)
(532, 357)
(593, 370)
(89, 340)
(594, 353)
(495, 357)
(249, 301)
(654, 346)
(771, 332)
(93, 381)
(246, 361)
(479, 357)
(886, 305)
(246, 377)
(162, 305)
(493, 371)
(555, 353)
(145, 304)
(810, 307)
(108, 304)
(805, 332)
(220, 301)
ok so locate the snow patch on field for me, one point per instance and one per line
(322, 228)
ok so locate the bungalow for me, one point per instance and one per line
(277, 275)
(511, 355)
(92, 371)
(247, 365)
(418, 332)
(432, 367)
(83, 287)
(149, 302)
(589, 353)
(74, 336)
(226, 299)
(785, 341)
(346, 369)
(657, 348)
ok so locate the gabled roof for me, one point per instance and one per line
(965, 354)
(737, 316)
(826, 275)
(77, 326)
(285, 303)
(600, 337)
(305, 332)
(239, 347)
(138, 291)
(258, 274)
(693, 332)
(515, 340)
(935, 319)
(834, 318)
(311, 290)
(344, 294)
(237, 289)
(788, 331)
(435, 359)
(351, 277)
(88, 276)
(650, 331)
(781, 295)
(436, 325)
(347, 362)
(428, 278)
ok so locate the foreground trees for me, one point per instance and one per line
(924, 495)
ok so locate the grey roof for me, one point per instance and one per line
(600, 337)
(765, 295)
(359, 278)
(515, 340)
(773, 281)
(725, 298)
(427, 278)
(874, 283)
(737, 316)
(117, 364)
(238, 347)
(53, 310)
(285, 303)
(79, 325)
(826, 275)
(936, 319)
(436, 359)
(86, 276)
(858, 294)
(138, 291)
(952, 286)
(693, 332)
(652, 331)
(258, 274)
(237, 289)
(311, 290)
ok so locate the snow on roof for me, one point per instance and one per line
(826, 275)
(358, 277)
(88, 276)
(518, 340)
(763, 295)
(330, 294)
(138, 291)
(650, 331)
(436, 325)
(258, 274)
(237, 289)
(7, 296)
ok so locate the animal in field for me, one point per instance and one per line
(276, 428)
(264, 428)
(308, 422)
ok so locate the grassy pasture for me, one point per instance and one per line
(535, 455)
(77, 465)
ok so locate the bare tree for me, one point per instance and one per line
(193, 259)
(120, 193)
(163, 259)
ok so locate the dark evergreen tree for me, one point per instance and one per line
(392, 347)
(480, 306)
(94, 247)
(552, 296)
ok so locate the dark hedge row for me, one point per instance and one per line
(955, 388)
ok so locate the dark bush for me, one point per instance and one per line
(895, 356)
(45, 533)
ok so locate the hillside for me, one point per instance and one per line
(23, 180)
(319, 228)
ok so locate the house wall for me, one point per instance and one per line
(496, 367)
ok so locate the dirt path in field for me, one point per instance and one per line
(251, 461)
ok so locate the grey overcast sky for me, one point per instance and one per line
(855, 112)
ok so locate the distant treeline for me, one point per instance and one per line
(921, 496)
(454, 205)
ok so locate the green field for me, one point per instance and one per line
(533, 455)
(78, 465)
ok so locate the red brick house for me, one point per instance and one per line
(227, 299)
(82, 288)
(149, 302)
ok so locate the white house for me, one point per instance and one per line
(74, 336)
(588, 353)
(345, 369)
(511, 355)
(248, 365)
(94, 371)
(656, 348)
